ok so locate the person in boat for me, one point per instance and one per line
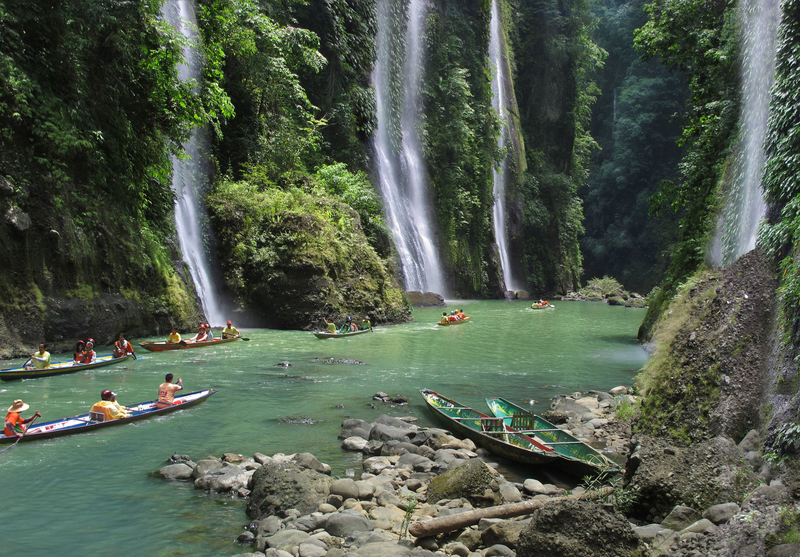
(345, 328)
(230, 331)
(353, 326)
(80, 351)
(453, 317)
(40, 359)
(201, 335)
(122, 347)
(445, 320)
(15, 424)
(90, 356)
(365, 324)
(460, 314)
(167, 390)
(109, 407)
(209, 334)
(330, 326)
(174, 336)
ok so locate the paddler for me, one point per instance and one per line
(444, 320)
(122, 347)
(174, 336)
(365, 324)
(330, 326)
(230, 331)
(40, 359)
(90, 356)
(15, 424)
(166, 391)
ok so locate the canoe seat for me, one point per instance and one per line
(97, 416)
(491, 424)
(523, 421)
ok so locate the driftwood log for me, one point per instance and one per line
(425, 528)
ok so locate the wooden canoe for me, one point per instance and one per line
(164, 346)
(326, 334)
(59, 368)
(487, 431)
(465, 320)
(576, 456)
(548, 306)
(83, 423)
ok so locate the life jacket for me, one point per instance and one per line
(87, 358)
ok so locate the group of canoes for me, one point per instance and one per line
(107, 411)
(518, 434)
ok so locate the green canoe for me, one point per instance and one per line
(576, 456)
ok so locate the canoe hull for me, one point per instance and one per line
(326, 334)
(468, 422)
(575, 456)
(165, 346)
(82, 423)
(59, 368)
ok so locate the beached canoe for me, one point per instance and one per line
(84, 422)
(163, 346)
(487, 431)
(326, 334)
(465, 320)
(59, 368)
(576, 456)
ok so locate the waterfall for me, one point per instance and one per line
(190, 177)
(499, 174)
(744, 205)
(402, 174)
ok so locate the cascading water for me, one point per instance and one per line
(744, 204)
(190, 177)
(402, 175)
(499, 174)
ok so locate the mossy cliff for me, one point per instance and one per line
(709, 372)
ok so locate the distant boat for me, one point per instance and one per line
(548, 306)
(520, 445)
(84, 422)
(328, 334)
(59, 368)
(576, 454)
(465, 320)
(163, 346)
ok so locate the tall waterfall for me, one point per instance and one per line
(744, 206)
(401, 169)
(190, 177)
(499, 174)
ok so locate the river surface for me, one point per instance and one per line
(91, 494)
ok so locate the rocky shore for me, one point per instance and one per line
(411, 476)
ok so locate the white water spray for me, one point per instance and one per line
(190, 176)
(499, 174)
(744, 205)
(402, 175)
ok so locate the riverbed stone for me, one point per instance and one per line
(416, 462)
(286, 539)
(277, 488)
(354, 443)
(719, 514)
(311, 550)
(343, 524)
(785, 550)
(680, 517)
(178, 471)
(573, 527)
(353, 427)
(472, 480)
(381, 549)
(701, 526)
(345, 487)
(228, 478)
(498, 550)
(510, 493)
(206, 466)
(268, 526)
(506, 533)
(385, 432)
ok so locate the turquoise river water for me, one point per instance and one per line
(92, 494)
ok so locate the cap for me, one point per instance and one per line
(107, 394)
(229, 322)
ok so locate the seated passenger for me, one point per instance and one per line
(174, 336)
(80, 352)
(40, 359)
(330, 326)
(90, 356)
(209, 334)
(365, 324)
(201, 335)
(166, 391)
(122, 347)
(445, 319)
(109, 406)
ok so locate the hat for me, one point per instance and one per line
(90, 341)
(229, 322)
(207, 326)
(18, 406)
(81, 342)
(107, 394)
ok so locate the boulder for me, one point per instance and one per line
(178, 471)
(228, 478)
(419, 299)
(506, 532)
(719, 514)
(285, 540)
(206, 466)
(577, 528)
(785, 550)
(354, 443)
(680, 517)
(472, 480)
(385, 432)
(277, 488)
(344, 523)
(345, 487)
(381, 549)
(510, 493)
(354, 428)
(308, 460)
(415, 462)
